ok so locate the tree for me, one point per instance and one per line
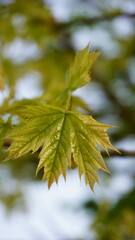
(32, 25)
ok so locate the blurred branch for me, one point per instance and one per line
(63, 27)
(126, 112)
(123, 153)
(82, 20)
(105, 17)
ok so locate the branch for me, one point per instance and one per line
(123, 153)
(81, 20)
(105, 17)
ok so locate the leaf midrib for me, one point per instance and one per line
(62, 127)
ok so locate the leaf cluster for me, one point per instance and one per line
(61, 134)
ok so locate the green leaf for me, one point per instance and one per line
(79, 105)
(13, 107)
(4, 130)
(79, 73)
(61, 134)
(2, 82)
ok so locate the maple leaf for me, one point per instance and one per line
(62, 135)
(59, 134)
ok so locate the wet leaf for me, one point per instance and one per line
(61, 134)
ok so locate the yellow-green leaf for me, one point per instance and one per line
(61, 134)
(79, 73)
(5, 127)
(2, 83)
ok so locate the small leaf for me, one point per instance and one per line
(5, 127)
(79, 73)
(12, 108)
(78, 104)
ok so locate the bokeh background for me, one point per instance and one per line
(38, 41)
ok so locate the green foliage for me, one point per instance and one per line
(2, 84)
(5, 128)
(59, 133)
(116, 221)
(79, 73)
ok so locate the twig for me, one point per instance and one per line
(123, 153)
